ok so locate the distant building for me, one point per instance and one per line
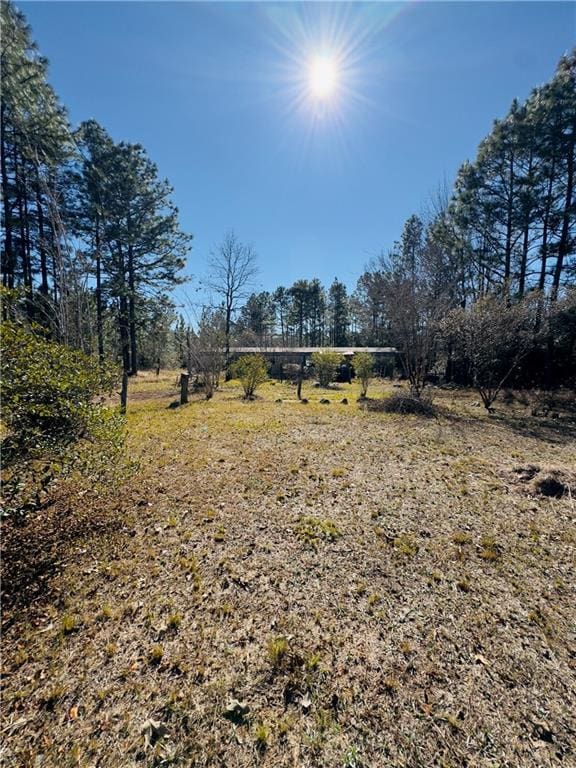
(384, 357)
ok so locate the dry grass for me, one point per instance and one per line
(302, 586)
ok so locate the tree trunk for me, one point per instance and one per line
(509, 215)
(564, 244)
(22, 227)
(28, 251)
(99, 319)
(227, 328)
(526, 236)
(8, 261)
(132, 313)
(124, 333)
(546, 224)
(300, 377)
(41, 241)
(184, 377)
(124, 392)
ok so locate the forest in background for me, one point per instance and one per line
(92, 243)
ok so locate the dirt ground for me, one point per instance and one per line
(286, 584)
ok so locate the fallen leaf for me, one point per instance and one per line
(236, 712)
(153, 731)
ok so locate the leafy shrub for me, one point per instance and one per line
(252, 370)
(402, 402)
(326, 365)
(53, 422)
(364, 366)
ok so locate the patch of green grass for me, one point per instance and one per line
(311, 530)
(312, 662)
(278, 649)
(156, 654)
(406, 545)
(461, 538)
(352, 758)
(261, 736)
(373, 600)
(174, 621)
(490, 550)
(70, 624)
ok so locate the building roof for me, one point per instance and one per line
(310, 350)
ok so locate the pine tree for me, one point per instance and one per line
(144, 245)
(34, 144)
(339, 314)
(88, 214)
(257, 318)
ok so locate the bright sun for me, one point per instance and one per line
(323, 77)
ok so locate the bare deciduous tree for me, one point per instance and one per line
(206, 350)
(232, 269)
(414, 314)
(493, 337)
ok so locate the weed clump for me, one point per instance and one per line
(278, 649)
(70, 624)
(156, 655)
(406, 545)
(261, 736)
(401, 402)
(461, 537)
(174, 621)
(311, 530)
(490, 551)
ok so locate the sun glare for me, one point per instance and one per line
(323, 77)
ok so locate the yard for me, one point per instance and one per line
(286, 584)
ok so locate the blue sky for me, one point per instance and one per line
(218, 95)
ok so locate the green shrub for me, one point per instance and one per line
(363, 365)
(52, 417)
(326, 365)
(252, 370)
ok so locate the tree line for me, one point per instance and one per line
(503, 237)
(92, 240)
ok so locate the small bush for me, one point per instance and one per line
(326, 366)
(402, 402)
(363, 366)
(252, 370)
(54, 421)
